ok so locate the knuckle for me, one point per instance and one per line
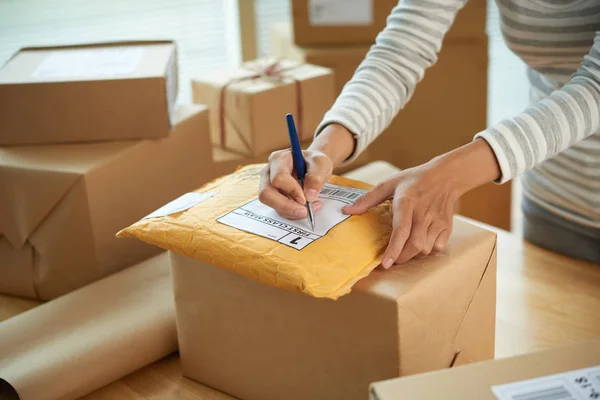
(417, 244)
(278, 180)
(263, 196)
(276, 155)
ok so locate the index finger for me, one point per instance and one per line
(402, 225)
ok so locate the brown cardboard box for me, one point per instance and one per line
(84, 93)
(253, 106)
(62, 205)
(320, 22)
(475, 381)
(414, 138)
(254, 341)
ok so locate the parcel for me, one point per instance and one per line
(432, 313)
(88, 92)
(62, 204)
(248, 104)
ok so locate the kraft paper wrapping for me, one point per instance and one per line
(82, 341)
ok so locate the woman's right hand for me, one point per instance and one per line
(279, 186)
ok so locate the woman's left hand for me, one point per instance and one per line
(423, 199)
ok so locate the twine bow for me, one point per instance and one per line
(271, 71)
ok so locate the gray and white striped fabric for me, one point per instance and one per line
(556, 141)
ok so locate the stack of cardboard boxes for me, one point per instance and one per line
(449, 106)
(91, 142)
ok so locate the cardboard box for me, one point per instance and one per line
(352, 22)
(248, 104)
(431, 313)
(62, 205)
(476, 381)
(85, 93)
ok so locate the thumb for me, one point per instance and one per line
(368, 201)
(313, 183)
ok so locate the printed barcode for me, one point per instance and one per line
(551, 393)
(340, 193)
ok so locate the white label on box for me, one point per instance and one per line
(583, 384)
(340, 12)
(182, 203)
(256, 218)
(106, 62)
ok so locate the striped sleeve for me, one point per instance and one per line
(555, 123)
(386, 79)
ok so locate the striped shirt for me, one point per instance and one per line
(555, 141)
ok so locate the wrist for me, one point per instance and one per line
(469, 166)
(336, 142)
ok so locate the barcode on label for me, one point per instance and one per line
(559, 392)
(340, 193)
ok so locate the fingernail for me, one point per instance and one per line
(311, 195)
(346, 209)
(317, 205)
(300, 213)
(387, 263)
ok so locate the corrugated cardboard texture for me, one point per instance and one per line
(358, 241)
(62, 205)
(73, 345)
(255, 107)
(474, 381)
(256, 342)
(469, 25)
(67, 109)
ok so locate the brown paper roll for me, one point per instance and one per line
(91, 337)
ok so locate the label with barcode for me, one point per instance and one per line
(256, 218)
(583, 384)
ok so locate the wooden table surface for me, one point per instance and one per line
(544, 300)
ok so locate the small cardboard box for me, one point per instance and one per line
(62, 205)
(492, 380)
(355, 22)
(85, 93)
(248, 104)
(255, 341)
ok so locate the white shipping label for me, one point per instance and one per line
(182, 203)
(90, 63)
(256, 218)
(340, 12)
(583, 384)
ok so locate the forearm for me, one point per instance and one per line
(336, 142)
(386, 79)
(467, 167)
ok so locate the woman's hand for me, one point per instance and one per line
(279, 186)
(280, 189)
(423, 199)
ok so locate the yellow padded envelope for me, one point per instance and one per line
(328, 266)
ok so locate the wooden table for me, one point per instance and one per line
(544, 300)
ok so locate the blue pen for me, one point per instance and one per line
(299, 163)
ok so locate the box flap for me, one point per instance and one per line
(35, 179)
